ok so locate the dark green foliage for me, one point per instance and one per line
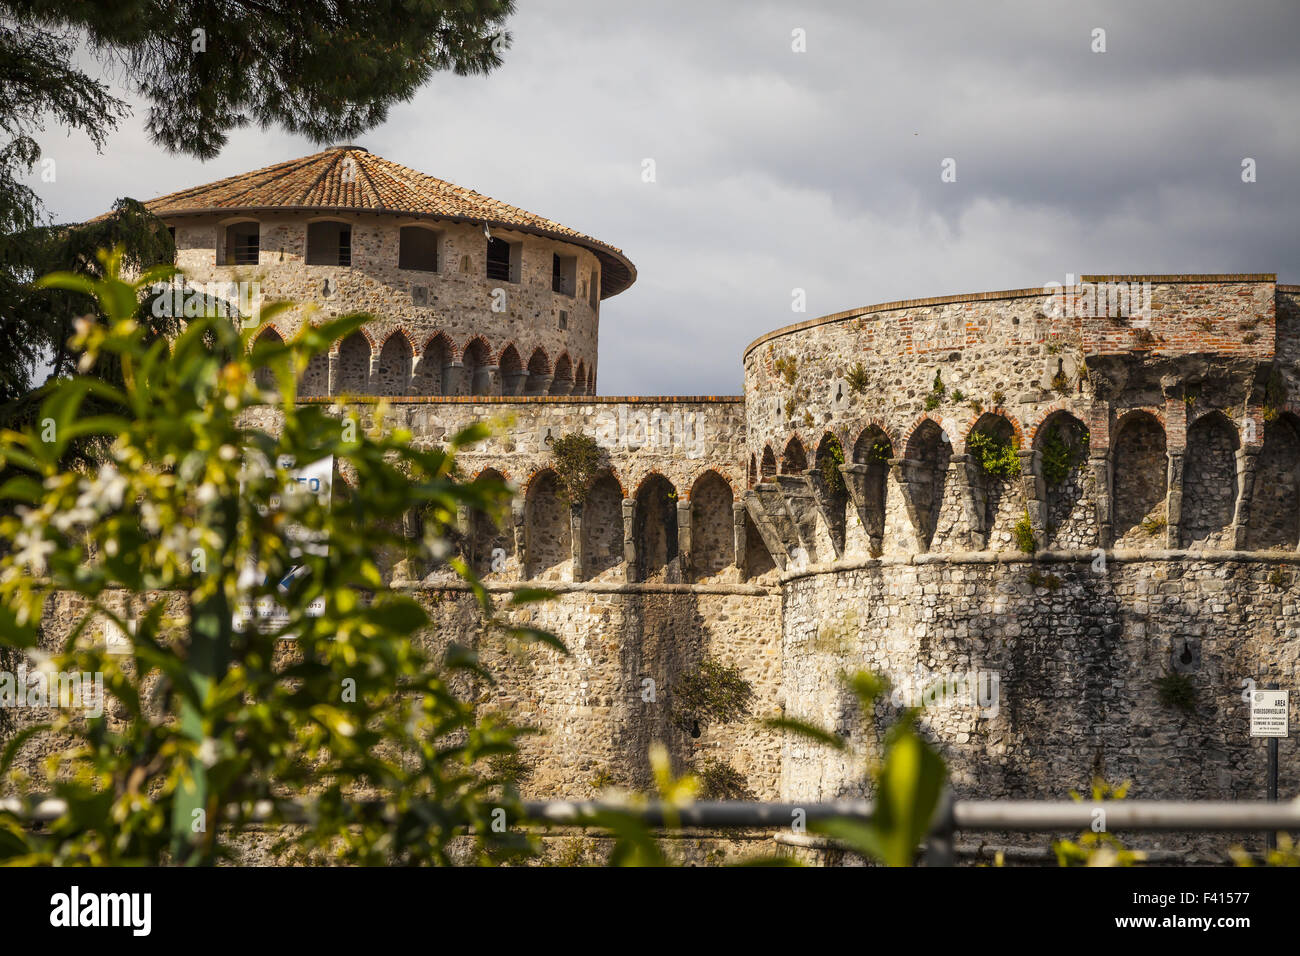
(1176, 690)
(576, 460)
(937, 392)
(857, 379)
(721, 781)
(1050, 581)
(996, 456)
(713, 693)
(1024, 532)
(1064, 446)
(830, 466)
(326, 70)
(210, 715)
(1275, 395)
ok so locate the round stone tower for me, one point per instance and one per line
(1036, 512)
(470, 296)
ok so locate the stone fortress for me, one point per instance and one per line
(1076, 496)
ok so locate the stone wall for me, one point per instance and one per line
(1077, 653)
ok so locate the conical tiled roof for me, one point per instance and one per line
(353, 179)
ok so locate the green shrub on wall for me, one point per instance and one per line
(997, 457)
(1064, 447)
(576, 459)
(713, 693)
(830, 466)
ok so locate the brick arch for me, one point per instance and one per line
(1155, 411)
(542, 360)
(268, 327)
(711, 470)
(547, 528)
(873, 422)
(973, 420)
(1215, 411)
(654, 526)
(649, 476)
(563, 364)
(502, 472)
(369, 337)
(1061, 405)
(1139, 488)
(501, 356)
(447, 344)
(766, 460)
(612, 472)
(396, 359)
(1209, 486)
(918, 424)
(477, 340)
(873, 426)
(602, 526)
(404, 333)
(795, 439)
(533, 475)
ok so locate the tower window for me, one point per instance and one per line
(594, 299)
(242, 244)
(564, 319)
(503, 260)
(417, 249)
(564, 274)
(329, 244)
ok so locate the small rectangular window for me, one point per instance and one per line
(594, 300)
(242, 244)
(329, 244)
(564, 274)
(502, 259)
(418, 249)
(419, 295)
(564, 319)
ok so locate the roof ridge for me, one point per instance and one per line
(379, 199)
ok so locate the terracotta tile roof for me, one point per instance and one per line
(351, 178)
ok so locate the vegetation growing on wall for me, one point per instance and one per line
(719, 780)
(1024, 534)
(997, 457)
(1275, 395)
(713, 693)
(1064, 446)
(830, 466)
(576, 459)
(788, 368)
(857, 379)
(1175, 689)
(937, 392)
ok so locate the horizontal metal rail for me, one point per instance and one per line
(1018, 815)
(1015, 815)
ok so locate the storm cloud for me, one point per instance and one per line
(820, 170)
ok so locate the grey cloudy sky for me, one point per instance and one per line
(821, 170)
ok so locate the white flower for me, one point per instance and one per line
(31, 550)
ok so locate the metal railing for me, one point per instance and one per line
(1024, 816)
